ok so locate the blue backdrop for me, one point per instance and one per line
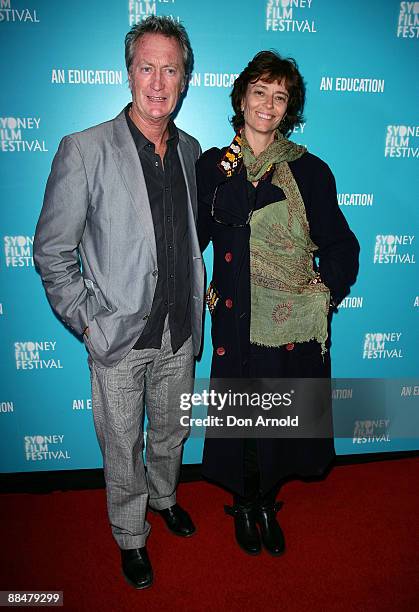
(63, 71)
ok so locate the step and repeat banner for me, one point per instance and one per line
(63, 71)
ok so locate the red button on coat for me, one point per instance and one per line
(229, 303)
(221, 351)
(228, 257)
(289, 346)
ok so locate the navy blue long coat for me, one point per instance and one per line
(338, 250)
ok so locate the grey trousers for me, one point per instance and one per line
(156, 378)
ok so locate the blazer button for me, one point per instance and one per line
(228, 257)
(220, 351)
(155, 272)
(229, 303)
(290, 346)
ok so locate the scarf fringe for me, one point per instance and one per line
(267, 345)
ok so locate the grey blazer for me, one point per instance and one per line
(96, 212)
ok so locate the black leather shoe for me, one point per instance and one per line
(246, 531)
(272, 536)
(177, 521)
(136, 567)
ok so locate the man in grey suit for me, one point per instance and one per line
(121, 199)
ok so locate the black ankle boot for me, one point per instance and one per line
(246, 531)
(272, 536)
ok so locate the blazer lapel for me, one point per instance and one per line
(188, 166)
(128, 163)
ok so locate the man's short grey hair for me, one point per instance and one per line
(159, 25)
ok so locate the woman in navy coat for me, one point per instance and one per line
(284, 257)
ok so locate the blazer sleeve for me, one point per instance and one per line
(58, 235)
(338, 248)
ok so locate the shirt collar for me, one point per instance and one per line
(141, 141)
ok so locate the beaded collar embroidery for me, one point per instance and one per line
(233, 158)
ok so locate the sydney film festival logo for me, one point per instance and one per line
(45, 448)
(394, 249)
(402, 141)
(382, 345)
(21, 135)
(18, 251)
(138, 10)
(408, 20)
(289, 16)
(31, 355)
(369, 431)
(20, 15)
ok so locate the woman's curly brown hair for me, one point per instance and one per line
(269, 66)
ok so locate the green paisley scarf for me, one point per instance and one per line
(288, 303)
(280, 150)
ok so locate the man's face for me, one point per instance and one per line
(156, 78)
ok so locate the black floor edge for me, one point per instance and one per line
(69, 480)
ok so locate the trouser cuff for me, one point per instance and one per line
(162, 502)
(126, 541)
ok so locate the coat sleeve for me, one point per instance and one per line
(338, 248)
(58, 235)
(205, 171)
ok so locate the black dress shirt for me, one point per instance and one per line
(167, 194)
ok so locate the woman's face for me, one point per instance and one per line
(263, 106)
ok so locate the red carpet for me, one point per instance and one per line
(352, 545)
